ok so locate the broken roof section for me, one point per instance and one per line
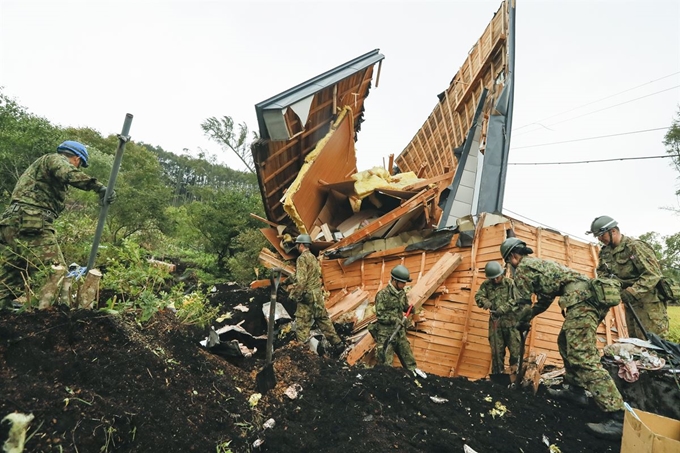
(292, 123)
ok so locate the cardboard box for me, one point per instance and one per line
(651, 434)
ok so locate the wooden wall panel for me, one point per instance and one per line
(453, 336)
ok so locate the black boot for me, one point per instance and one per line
(574, 394)
(611, 429)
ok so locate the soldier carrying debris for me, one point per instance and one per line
(390, 305)
(497, 295)
(577, 339)
(634, 264)
(309, 296)
(27, 236)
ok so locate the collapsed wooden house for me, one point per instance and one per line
(435, 208)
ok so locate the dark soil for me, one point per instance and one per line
(102, 383)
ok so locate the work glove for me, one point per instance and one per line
(627, 297)
(102, 193)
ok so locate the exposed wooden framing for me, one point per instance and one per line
(446, 129)
(262, 219)
(567, 251)
(423, 197)
(418, 294)
(453, 126)
(595, 258)
(306, 133)
(471, 297)
(422, 153)
(335, 99)
(269, 261)
(436, 151)
(390, 165)
(349, 303)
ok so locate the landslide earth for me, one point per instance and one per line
(97, 382)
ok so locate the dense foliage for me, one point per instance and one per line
(169, 206)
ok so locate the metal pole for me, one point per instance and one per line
(123, 138)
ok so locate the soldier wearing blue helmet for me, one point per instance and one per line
(27, 236)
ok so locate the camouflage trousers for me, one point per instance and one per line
(22, 256)
(311, 310)
(577, 346)
(399, 345)
(653, 316)
(500, 338)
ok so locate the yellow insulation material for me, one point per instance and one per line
(378, 178)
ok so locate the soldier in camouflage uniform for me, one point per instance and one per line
(390, 305)
(27, 237)
(497, 295)
(577, 338)
(634, 264)
(309, 296)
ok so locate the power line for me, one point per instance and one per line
(544, 225)
(605, 108)
(594, 161)
(616, 105)
(599, 100)
(590, 138)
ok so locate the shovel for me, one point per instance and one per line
(265, 379)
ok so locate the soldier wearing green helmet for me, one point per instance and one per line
(634, 264)
(309, 296)
(497, 295)
(390, 305)
(577, 338)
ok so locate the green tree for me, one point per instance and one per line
(23, 138)
(667, 249)
(221, 217)
(142, 196)
(672, 143)
(223, 132)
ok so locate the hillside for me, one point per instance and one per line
(99, 382)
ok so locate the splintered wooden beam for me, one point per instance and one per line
(418, 294)
(269, 261)
(416, 201)
(349, 303)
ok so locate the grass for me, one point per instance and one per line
(674, 330)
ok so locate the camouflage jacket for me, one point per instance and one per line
(633, 263)
(497, 297)
(390, 305)
(548, 279)
(307, 275)
(46, 180)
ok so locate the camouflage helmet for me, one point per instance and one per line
(509, 245)
(304, 239)
(601, 225)
(493, 270)
(401, 274)
(74, 149)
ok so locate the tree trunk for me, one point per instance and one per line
(65, 294)
(50, 290)
(88, 293)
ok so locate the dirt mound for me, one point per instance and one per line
(102, 383)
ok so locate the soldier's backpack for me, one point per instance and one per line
(607, 291)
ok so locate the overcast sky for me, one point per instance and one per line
(584, 69)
